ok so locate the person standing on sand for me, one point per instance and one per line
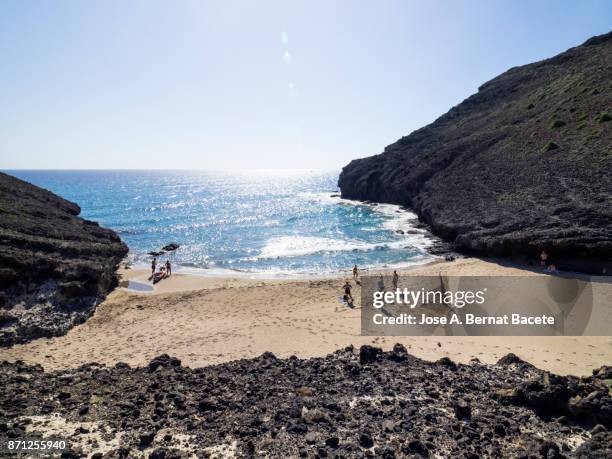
(347, 291)
(543, 258)
(395, 279)
(355, 272)
(153, 266)
(168, 268)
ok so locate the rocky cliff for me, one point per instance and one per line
(54, 266)
(347, 405)
(524, 163)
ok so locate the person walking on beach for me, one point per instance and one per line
(355, 272)
(153, 266)
(347, 291)
(168, 268)
(395, 279)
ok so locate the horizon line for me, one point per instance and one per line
(172, 169)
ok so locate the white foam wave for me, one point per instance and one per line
(325, 197)
(397, 218)
(296, 246)
(278, 273)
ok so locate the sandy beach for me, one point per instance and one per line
(210, 320)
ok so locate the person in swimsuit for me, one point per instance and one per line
(395, 279)
(153, 266)
(168, 268)
(355, 272)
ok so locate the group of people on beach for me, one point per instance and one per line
(165, 270)
(545, 261)
(348, 296)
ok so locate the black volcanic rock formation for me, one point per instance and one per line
(54, 266)
(523, 164)
(391, 406)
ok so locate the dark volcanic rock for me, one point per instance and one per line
(603, 372)
(251, 408)
(564, 396)
(170, 247)
(54, 266)
(509, 359)
(448, 363)
(369, 354)
(163, 361)
(462, 410)
(598, 447)
(482, 177)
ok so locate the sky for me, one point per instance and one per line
(253, 84)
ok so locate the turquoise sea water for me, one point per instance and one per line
(267, 223)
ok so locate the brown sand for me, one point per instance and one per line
(204, 321)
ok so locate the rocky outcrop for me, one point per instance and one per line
(521, 165)
(559, 396)
(349, 404)
(54, 266)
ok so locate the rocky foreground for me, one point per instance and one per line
(523, 164)
(54, 266)
(348, 404)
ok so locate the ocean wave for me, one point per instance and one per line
(296, 246)
(397, 219)
(130, 231)
(284, 273)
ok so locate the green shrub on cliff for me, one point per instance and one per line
(557, 124)
(550, 146)
(604, 117)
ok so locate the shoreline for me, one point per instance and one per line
(207, 320)
(138, 272)
(422, 260)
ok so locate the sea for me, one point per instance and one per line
(263, 223)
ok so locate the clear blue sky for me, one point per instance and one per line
(257, 84)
